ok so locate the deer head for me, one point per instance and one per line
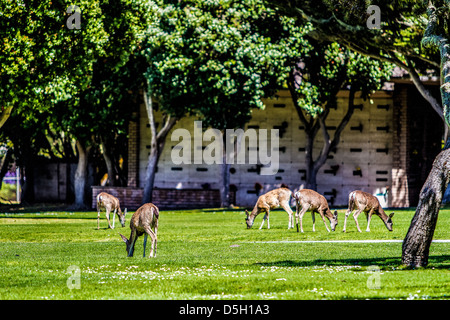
(122, 218)
(389, 222)
(334, 220)
(248, 220)
(128, 243)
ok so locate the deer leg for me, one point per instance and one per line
(154, 241)
(286, 208)
(145, 242)
(313, 214)
(369, 217)
(114, 217)
(156, 238)
(299, 216)
(268, 219)
(355, 216)
(347, 213)
(108, 210)
(149, 231)
(133, 239)
(98, 219)
(264, 219)
(324, 220)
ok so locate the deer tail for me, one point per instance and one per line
(156, 212)
(351, 199)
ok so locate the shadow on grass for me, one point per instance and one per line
(437, 262)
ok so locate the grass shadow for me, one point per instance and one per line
(436, 262)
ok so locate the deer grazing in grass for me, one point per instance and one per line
(310, 200)
(369, 204)
(109, 202)
(271, 200)
(142, 222)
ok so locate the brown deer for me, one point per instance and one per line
(369, 204)
(109, 202)
(310, 200)
(271, 200)
(142, 222)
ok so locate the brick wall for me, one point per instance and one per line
(364, 156)
(399, 190)
(131, 198)
(133, 152)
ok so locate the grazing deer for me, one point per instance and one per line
(363, 201)
(271, 200)
(310, 200)
(110, 203)
(143, 220)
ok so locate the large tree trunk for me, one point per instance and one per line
(5, 113)
(157, 146)
(416, 245)
(81, 177)
(311, 175)
(4, 166)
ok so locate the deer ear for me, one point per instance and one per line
(391, 215)
(246, 212)
(124, 238)
(335, 213)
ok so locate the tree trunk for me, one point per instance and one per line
(313, 166)
(4, 166)
(157, 146)
(311, 174)
(150, 174)
(416, 245)
(225, 184)
(81, 177)
(109, 164)
(27, 182)
(4, 115)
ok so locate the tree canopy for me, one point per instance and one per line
(216, 60)
(219, 58)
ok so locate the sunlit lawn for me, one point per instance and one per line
(209, 254)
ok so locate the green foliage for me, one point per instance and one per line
(70, 83)
(403, 23)
(332, 67)
(8, 193)
(217, 59)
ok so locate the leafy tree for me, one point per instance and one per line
(101, 108)
(80, 78)
(214, 59)
(314, 82)
(403, 23)
(413, 36)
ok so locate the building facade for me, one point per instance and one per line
(390, 141)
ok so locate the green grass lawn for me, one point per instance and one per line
(210, 254)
